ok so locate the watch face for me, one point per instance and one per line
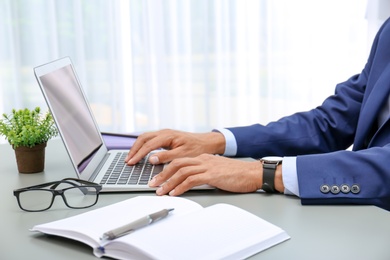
(272, 159)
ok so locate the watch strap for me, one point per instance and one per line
(269, 177)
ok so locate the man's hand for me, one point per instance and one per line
(221, 172)
(178, 144)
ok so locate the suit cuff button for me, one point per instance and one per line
(325, 188)
(335, 189)
(345, 188)
(355, 188)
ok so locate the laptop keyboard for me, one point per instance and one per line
(121, 173)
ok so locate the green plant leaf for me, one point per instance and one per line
(26, 127)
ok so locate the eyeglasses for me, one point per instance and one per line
(77, 194)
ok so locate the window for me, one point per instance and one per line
(186, 64)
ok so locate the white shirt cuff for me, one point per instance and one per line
(231, 143)
(290, 176)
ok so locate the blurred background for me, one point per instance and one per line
(192, 65)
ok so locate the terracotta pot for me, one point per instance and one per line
(30, 159)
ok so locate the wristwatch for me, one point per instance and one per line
(269, 168)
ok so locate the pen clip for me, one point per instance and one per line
(159, 214)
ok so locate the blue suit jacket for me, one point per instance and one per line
(319, 138)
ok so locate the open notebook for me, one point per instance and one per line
(220, 231)
(91, 158)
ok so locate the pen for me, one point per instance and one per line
(142, 222)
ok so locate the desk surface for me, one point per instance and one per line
(317, 232)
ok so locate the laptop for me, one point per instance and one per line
(90, 157)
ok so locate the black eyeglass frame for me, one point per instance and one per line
(84, 187)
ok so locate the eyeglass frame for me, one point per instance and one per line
(84, 188)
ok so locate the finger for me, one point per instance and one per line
(162, 177)
(141, 153)
(175, 187)
(167, 156)
(171, 169)
(183, 179)
(187, 184)
(143, 147)
(139, 142)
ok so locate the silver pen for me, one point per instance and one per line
(142, 222)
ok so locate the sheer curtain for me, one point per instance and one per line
(187, 64)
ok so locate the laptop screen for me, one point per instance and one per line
(72, 114)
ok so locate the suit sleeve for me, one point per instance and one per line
(327, 172)
(366, 171)
(360, 176)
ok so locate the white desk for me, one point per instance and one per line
(317, 232)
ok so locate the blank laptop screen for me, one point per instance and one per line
(72, 114)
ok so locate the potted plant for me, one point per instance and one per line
(28, 132)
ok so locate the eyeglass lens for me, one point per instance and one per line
(75, 197)
(35, 200)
